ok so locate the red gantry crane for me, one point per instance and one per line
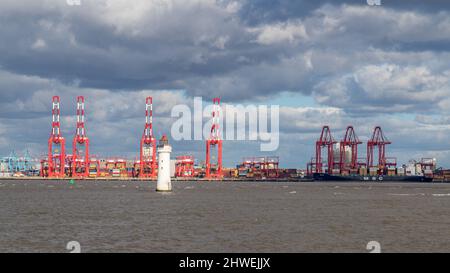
(326, 140)
(56, 143)
(80, 157)
(380, 141)
(214, 170)
(147, 160)
(351, 142)
(184, 166)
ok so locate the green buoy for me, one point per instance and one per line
(72, 182)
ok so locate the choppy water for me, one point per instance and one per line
(37, 216)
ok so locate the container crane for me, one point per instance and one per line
(350, 141)
(56, 143)
(325, 141)
(147, 158)
(80, 158)
(379, 141)
(214, 170)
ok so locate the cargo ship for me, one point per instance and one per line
(374, 178)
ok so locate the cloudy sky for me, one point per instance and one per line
(324, 62)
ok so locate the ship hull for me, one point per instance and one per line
(379, 178)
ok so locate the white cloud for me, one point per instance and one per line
(309, 119)
(289, 32)
(386, 87)
(39, 44)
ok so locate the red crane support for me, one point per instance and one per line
(350, 140)
(56, 157)
(184, 166)
(214, 170)
(271, 166)
(147, 160)
(326, 140)
(380, 141)
(80, 158)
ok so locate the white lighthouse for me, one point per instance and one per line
(164, 150)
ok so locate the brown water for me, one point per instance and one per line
(37, 216)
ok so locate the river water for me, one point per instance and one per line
(43, 216)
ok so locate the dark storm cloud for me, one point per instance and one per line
(256, 12)
(204, 46)
(431, 6)
(77, 46)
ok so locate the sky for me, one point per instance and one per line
(335, 63)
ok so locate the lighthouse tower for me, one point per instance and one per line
(164, 150)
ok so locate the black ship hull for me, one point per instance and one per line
(378, 178)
